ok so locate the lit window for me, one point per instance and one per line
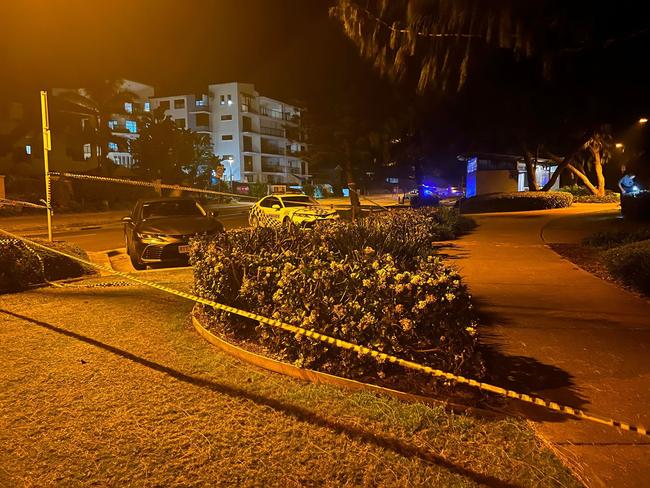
(222, 100)
(112, 124)
(226, 137)
(164, 104)
(180, 123)
(179, 103)
(28, 149)
(87, 151)
(128, 107)
(200, 103)
(226, 117)
(229, 100)
(112, 146)
(147, 107)
(131, 126)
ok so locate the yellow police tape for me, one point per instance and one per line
(149, 184)
(19, 203)
(362, 350)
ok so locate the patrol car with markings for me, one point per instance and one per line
(289, 209)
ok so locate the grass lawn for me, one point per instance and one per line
(112, 387)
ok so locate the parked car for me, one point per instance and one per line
(288, 209)
(422, 196)
(158, 230)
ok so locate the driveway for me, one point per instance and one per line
(556, 330)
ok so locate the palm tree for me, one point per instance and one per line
(101, 101)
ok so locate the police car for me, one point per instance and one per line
(288, 209)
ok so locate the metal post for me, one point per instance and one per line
(47, 147)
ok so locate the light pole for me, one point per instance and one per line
(47, 147)
(230, 162)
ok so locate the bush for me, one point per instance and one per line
(332, 280)
(517, 201)
(631, 264)
(612, 239)
(22, 266)
(582, 194)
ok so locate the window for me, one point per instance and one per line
(179, 103)
(87, 152)
(180, 123)
(171, 208)
(128, 107)
(201, 103)
(269, 202)
(112, 146)
(226, 117)
(164, 104)
(202, 120)
(248, 163)
(222, 99)
(228, 157)
(226, 137)
(131, 126)
(28, 149)
(147, 106)
(229, 99)
(112, 124)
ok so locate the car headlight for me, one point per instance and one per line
(146, 235)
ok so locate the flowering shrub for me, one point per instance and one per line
(390, 296)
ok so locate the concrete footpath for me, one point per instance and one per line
(558, 331)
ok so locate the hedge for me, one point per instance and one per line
(22, 266)
(344, 280)
(631, 264)
(582, 194)
(516, 201)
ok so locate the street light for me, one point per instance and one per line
(619, 145)
(643, 120)
(230, 162)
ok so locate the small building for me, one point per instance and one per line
(503, 173)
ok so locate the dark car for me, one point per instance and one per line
(423, 196)
(159, 230)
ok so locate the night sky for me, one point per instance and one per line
(291, 49)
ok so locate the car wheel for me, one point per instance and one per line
(135, 262)
(254, 221)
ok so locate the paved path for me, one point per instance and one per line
(566, 334)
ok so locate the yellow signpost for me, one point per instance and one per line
(47, 147)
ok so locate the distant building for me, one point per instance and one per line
(503, 173)
(260, 138)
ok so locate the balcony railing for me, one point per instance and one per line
(272, 131)
(272, 150)
(275, 168)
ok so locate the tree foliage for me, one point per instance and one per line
(172, 154)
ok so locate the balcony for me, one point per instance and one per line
(248, 108)
(275, 168)
(200, 109)
(272, 131)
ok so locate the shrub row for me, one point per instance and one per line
(517, 201)
(372, 282)
(611, 239)
(631, 264)
(582, 194)
(22, 267)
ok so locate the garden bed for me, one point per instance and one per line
(516, 202)
(374, 282)
(22, 267)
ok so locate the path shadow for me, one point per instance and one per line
(525, 374)
(298, 413)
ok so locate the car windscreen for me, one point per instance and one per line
(177, 208)
(298, 201)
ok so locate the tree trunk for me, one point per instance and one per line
(352, 185)
(600, 178)
(584, 178)
(531, 170)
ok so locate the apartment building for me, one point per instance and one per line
(260, 138)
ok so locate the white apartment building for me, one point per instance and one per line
(260, 138)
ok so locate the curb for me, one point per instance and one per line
(312, 376)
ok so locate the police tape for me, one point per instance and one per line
(360, 350)
(150, 184)
(6, 202)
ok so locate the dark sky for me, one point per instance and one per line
(289, 48)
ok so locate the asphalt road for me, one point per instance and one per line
(111, 236)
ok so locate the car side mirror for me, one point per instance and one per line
(127, 220)
(276, 207)
(212, 213)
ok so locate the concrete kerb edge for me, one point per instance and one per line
(312, 376)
